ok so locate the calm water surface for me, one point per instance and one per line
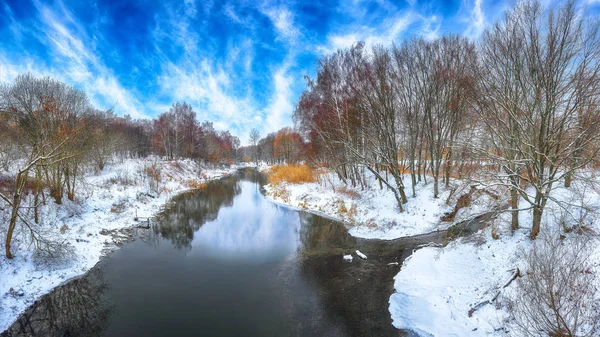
(224, 261)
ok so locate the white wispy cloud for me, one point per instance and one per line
(476, 22)
(213, 87)
(279, 111)
(284, 22)
(73, 61)
(431, 27)
(387, 32)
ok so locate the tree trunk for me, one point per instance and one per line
(403, 195)
(568, 179)
(414, 181)
(36, 199)
(537, 221)
(514, 200)
(16, 204)
(448, 167)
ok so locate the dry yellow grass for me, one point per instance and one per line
(294, 174)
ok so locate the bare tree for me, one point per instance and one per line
(47, 114)
(254, 138)
(539, 78)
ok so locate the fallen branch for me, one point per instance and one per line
(516, 273)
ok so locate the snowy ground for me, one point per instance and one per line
(373, 212)
(437, 287)
(108, 201)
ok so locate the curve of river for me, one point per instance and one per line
(224, 261)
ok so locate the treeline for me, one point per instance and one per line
(50, 135)
(520, 106)
(283, 146)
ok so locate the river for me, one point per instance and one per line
(225, 261)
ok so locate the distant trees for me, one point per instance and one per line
(177, 134)
(287, 146)
(254, 138)
(266, 149)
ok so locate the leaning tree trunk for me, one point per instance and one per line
(395, 190)
(16, 204)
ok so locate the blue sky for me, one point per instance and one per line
(239, 63)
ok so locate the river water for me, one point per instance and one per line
(225, 261)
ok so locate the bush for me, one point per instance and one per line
(121, 178)
(154, 177)
(196, 184)
(558, 295)
(294, 174)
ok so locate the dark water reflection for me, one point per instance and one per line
(224, 261)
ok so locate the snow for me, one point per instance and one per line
(436, 287)
(361, 255)
(107, 201)
(373, 213)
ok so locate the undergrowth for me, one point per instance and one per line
(294, 174)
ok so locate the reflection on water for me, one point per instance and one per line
(187, 212)
(226, 262)
(74, 309)
(254, 228)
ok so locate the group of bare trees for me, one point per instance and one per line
(51, 135)
(398, 110)
(285, 146)
(177, 134)
(47, 118)
(537, 94)
(520, 105)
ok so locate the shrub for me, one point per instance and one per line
(119, 206)
(557, 296)
(121, 178)
(294, 174)
(352, 194)
(280, 192)
(196, 184)
(154, 177)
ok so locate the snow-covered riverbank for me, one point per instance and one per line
(372, 212)
(437, 287)
(108, 201)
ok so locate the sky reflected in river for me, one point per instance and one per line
(254, 228)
